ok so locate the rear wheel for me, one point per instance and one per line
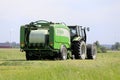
(31, 55)
(91, 51)
(63, 53)
(27, 56)
(79, 50)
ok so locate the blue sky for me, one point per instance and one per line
(102, 16)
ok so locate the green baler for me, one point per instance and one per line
(43, 39)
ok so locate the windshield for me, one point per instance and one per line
(73, 31)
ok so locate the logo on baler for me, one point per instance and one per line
(62, 32)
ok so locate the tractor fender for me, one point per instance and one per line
(77, 39)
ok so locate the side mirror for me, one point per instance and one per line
(88, 29)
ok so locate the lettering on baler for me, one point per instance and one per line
(62, 32)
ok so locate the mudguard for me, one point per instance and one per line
(77, 39)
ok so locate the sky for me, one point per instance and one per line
(102, 16)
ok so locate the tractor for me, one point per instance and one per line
(78, 43)
(48, 40)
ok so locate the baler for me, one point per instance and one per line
(43, 39)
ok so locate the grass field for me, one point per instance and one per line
(13, 66)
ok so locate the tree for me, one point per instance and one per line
(100, 49)
(116, 46)
(97, 43)
(98, 46)
(103, 49)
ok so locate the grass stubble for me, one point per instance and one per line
(13, 66)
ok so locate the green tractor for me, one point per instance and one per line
(78, 44)
(48, 40)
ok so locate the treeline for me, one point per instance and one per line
(9, 45)
(100, 48)
(116, 46)
(103, 49)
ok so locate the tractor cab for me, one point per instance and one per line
(77, 31)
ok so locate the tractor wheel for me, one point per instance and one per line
(63, 53)
(79, 50)
(30, 55)
(91, 51)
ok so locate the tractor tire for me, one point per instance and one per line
(91, 51)
(63, 53)
(79, 50)
(30, 55)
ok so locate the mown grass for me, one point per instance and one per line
(13, 66)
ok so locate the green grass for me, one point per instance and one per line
(13, 66)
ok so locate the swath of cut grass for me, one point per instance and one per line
(13, 66)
